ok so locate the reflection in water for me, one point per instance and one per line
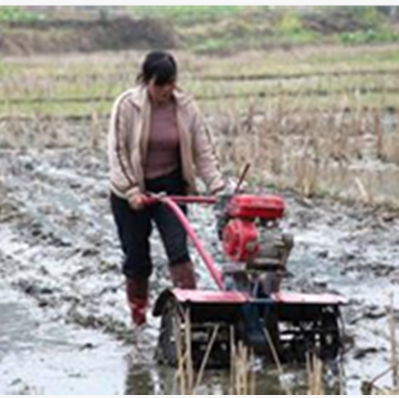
(16, 328)
(41, 356)
(155, 379)
(297, 380)
(143, 379)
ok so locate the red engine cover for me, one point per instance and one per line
(240, 240)
(266, 207)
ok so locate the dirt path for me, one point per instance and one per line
(59, 253)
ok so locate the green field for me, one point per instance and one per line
(313, 79)
(187, 15)
(214, 29)
(12, 14)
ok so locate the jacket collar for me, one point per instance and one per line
(139, 97)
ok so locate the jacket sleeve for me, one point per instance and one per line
(205, 157)
(121, 126)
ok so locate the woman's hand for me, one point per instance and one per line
(137, 201)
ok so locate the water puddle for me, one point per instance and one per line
(40, 356)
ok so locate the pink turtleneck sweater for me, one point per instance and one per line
(163, 146)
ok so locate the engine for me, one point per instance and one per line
(253, 239)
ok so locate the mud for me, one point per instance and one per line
(64, 326)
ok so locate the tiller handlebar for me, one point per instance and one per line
(172, 203)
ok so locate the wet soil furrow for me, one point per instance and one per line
(58, 245)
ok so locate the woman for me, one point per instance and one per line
(157, 142)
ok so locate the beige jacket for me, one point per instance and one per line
(128, 143)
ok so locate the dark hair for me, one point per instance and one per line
(159, 66)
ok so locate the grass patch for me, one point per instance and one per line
(289, 27)
(369, 36)
(213, 29)
(184, 15)
(12, 14)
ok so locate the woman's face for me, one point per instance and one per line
(160, 94)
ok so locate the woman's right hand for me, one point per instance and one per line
(137, 201)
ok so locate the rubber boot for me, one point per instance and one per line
(137, 298)
(183, 275)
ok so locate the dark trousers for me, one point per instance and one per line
(134, 228)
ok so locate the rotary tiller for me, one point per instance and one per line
(248, 304)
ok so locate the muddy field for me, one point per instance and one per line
(320, 120)
(64, 326)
